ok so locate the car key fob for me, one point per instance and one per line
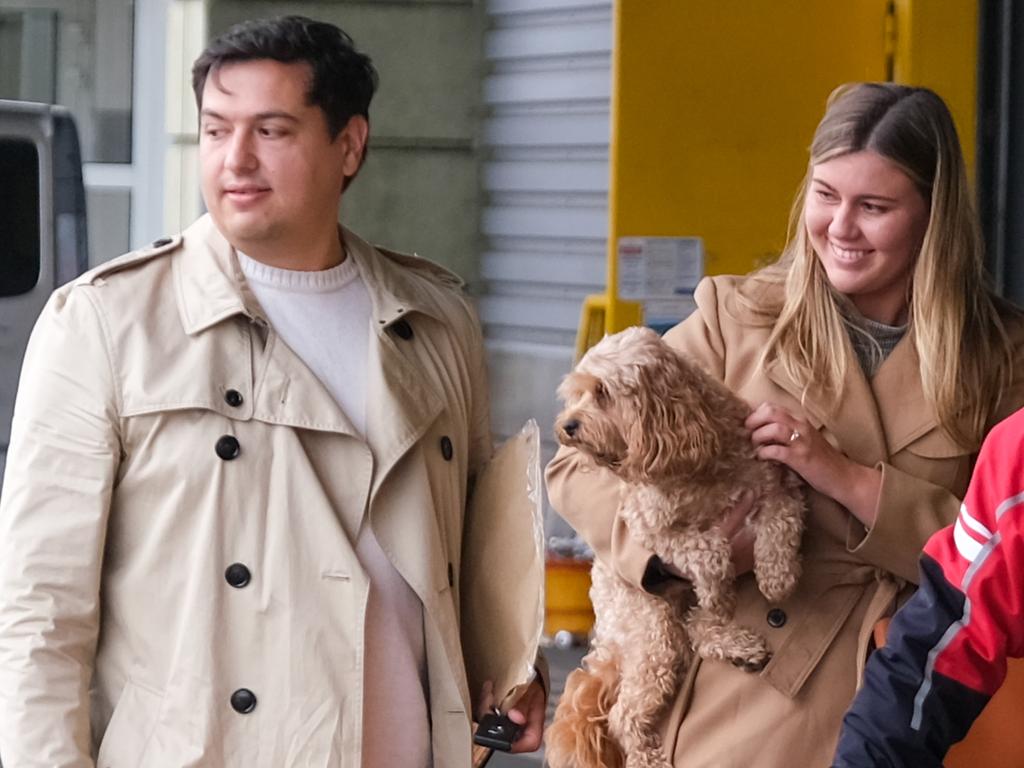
(496, 731)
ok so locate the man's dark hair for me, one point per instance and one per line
(343, 81)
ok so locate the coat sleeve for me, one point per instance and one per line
(588, 496)
(61, 466)
(947, 648)
(908, 512)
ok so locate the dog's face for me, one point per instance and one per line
(590, 419)
(637, 407)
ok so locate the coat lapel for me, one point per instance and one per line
(905, 413)
(402, 403)
(853, 417)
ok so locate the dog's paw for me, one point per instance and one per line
(779, 585)
(752, 665)
(752, 655)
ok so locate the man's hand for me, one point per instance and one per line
(529, 712)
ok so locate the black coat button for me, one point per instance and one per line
(446, 448)
(402, 329)
(243, 701)
(161, 242)
(776, 617)
(451, 575)
(233, 398)
(228, 448)
(237, 575)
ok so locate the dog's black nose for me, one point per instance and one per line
(570, 427)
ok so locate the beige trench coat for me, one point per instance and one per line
(119, 633)
(789, 715)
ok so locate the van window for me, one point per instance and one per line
(19, 216)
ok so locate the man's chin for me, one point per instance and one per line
(241, 229)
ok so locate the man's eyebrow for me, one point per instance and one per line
(258, 116)
(276, 114)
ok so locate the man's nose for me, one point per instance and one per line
(240, 155)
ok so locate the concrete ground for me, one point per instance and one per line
(562, 662)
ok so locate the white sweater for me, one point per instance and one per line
(324, 317)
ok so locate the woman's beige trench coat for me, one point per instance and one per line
(789, 715)
(125, 503)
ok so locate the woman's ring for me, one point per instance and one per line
(794, 437)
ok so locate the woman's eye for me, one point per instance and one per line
(874, 208)
(824, 194)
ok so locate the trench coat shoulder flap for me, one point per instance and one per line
(98, 274)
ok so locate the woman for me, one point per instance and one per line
(875, 358)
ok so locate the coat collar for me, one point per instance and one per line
(872, 419)
(211, 286)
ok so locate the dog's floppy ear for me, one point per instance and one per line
(673, 429)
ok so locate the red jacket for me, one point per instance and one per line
(947, 647)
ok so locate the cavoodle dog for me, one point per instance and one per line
(676, 437)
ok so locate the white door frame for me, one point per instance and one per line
(144, 176)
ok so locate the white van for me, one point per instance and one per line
(42, 229)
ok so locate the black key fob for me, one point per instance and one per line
(496, 731)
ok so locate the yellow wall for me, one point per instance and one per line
(715, 104)
(937, 46)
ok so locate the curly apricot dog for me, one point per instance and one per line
(675, 436)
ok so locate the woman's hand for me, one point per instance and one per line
(780, 436)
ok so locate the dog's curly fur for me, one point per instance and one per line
(676, 437)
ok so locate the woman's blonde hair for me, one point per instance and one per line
(964, 351)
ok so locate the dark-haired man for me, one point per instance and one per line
(231, 524)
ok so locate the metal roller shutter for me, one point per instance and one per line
(545, 180)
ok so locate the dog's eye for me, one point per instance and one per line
(599, 392)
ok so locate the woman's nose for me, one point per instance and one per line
(844, 223)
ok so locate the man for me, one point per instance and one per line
(946, 651)
(231, 523)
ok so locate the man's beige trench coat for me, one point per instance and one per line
(789, 715)
(163, 434)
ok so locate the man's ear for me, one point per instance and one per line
(353, 139)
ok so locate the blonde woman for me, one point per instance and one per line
(875, 358)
